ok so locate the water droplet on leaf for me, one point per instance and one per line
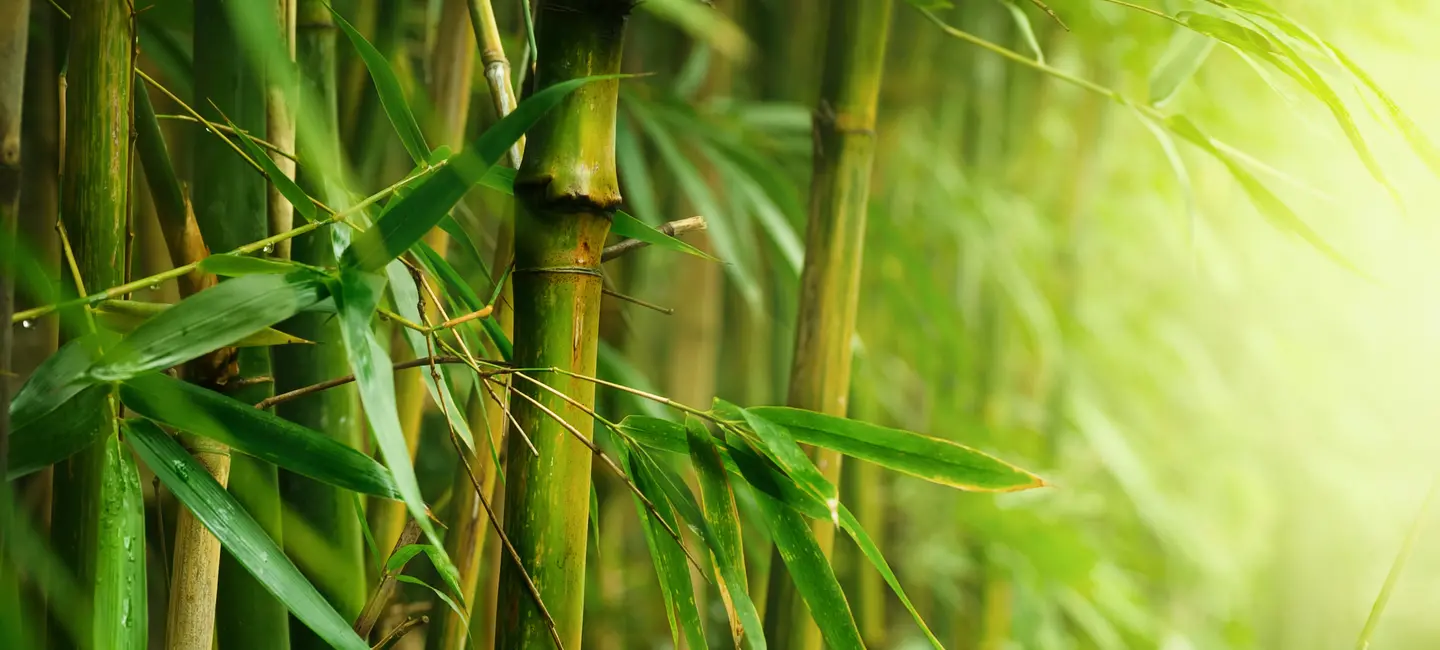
(25, 324)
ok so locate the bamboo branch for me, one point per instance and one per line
(341, 381)
(400, 631)
(383, 591)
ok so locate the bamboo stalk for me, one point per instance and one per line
(834, 242)
(568, 186)
(14, 33)
(280, 129)
(228, 210)
(471, 544)
(328, 510)
(93, 205)
(172, 207)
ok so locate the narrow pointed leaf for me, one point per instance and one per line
(234, 266)
(407, 301)
(727, 546)
(624, 225)
(238, 533)
(288, 189)
(671, 565)
(123, 316)
(57, 435)
(1183, 57)
(57, 379)
(934, 459)
(655, 433)
(214, 318)
(255, 432)
(392, 94)
(781, 447)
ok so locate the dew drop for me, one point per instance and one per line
(269, 248)
(128, 542)
(25, 324)
(154, 287)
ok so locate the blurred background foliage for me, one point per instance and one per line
(1238, 430)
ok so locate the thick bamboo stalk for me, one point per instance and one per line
(229, 211)
(93, 205)
(328, 510)
(14, 32)
(834, 243)
(568, 186)
(172, 207)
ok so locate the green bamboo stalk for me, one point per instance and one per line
(280, 128)
(568, 186)
(177, 220)
(93, 205)
(14, 33)
(834, 243)
(328, 510)
(229, 211)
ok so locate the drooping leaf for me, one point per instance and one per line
(782, 448)
(1022, 22)
(121, 620)
(246, 541)
(214, 318)
(123, 316)
(57, 435)
(255, 432)
(655, 433)
(809, 568)
(357, 294)
(934, 459)
(392, 94)
(671, 565)
(57, 379)
(727, 546)
(415, 214)
(1183, 57)
(627, 226)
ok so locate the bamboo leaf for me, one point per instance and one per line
(725, 541)
(1408, 128)
(234, 266)
(655, 433)
(357, 294)
(704, 24)
(934, 459)
(55, 436)
(121, 620)
(392, 95)
(238, 533)
(214, 318)
(809, 568)
(1022, 22)
(415, 214)
(57, 379)
(1269, 205)
(449, 602)
(123, 316)
(782, 448)
(624, 225)
(671, 565)
(256, 432)
(282, 182)
(1183, 57)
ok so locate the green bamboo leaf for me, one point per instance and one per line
(934, 459)
(635, 180)
(415, 214)
(624, 225)
(1022, 22)
(1269, 205)
(1408, 128)
(238, 533)
(613, 366)
(655, 433)
(441, 268)
(704, 24)
(407, 301)
(214, 318)
(256, 432)
(288, 189)
(1183, 57)
(782, 448)
(744, 187)
(231, 265)
(55, 436)
(392, 94)
(671, 565)
(449, 602)
(357, 294)
(809, 568)
(123, 316)
(725, 541)
(121, 620)
(57, 379)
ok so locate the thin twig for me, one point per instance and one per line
(505, 408)
(400, 631)
(1051, 12)
(636, 301)
(671, 229)
(227, 129)
(341, 381)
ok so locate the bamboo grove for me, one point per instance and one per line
(468, 324)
